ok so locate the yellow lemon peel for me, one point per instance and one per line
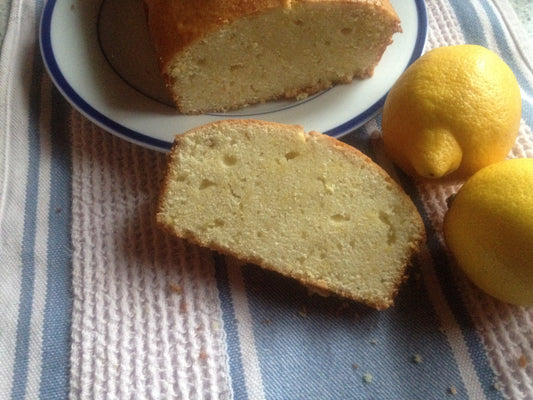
(454, 111)
(440, 154)
(489, 230)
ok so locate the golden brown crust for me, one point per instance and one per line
(176, 24)
(319, 286)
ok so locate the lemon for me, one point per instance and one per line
(489, 230)
(453, 111)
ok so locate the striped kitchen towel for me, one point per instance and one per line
(99, 304)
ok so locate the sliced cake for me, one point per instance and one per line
(302, 204)
(226, 54)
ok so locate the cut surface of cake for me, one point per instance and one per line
(227, 54)
(302, 204)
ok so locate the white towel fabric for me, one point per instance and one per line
(146, 316)
(98, 303)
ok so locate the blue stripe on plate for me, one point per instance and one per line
(230, 327)
(74, 98)
(58, 307)
(20, 370)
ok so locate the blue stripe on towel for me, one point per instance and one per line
(230, 328)
(504, 49)
(57, 312)
(311, 347)
(453, 297)
(472, 29)
(20, 369)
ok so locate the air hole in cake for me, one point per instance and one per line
(391, 233)
(209, 142)
(236, 67)
(340, 218)
(346, 31)
(206, 183)
(229, 160)
(298, 22)
(291, 155)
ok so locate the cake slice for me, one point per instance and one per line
(302, 204)
(226, 54)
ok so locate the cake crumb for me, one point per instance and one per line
(373, 341)
(417, 358)
(303, 311)
(266, 321)
(355, 366)
(522, 361)
(497, 386)
(367, 378)
(175, 288)
(341, 309)
(452, 390)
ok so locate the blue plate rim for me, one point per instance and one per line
(114, 127)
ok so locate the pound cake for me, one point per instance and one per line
(226, 54)
(302, 204)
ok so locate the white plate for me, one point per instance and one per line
(99, 56)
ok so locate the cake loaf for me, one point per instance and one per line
(302, 204)
(226, 54)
